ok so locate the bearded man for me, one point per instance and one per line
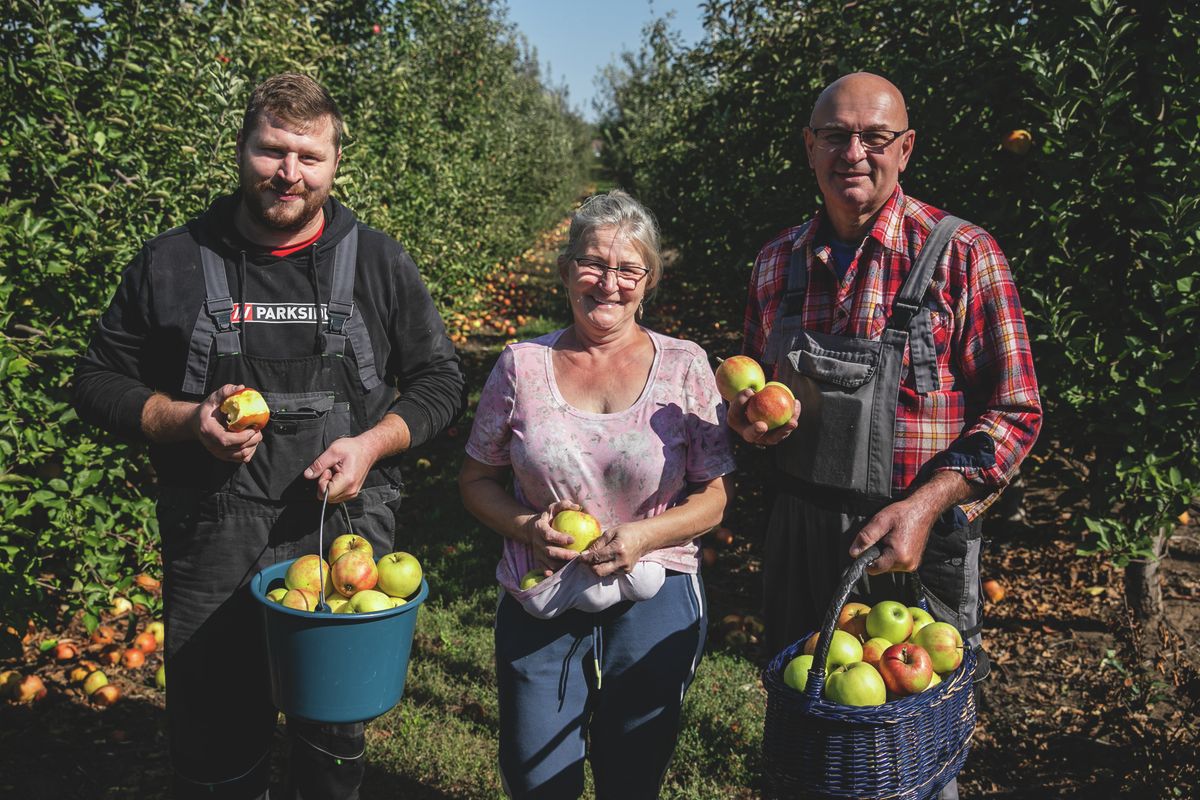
(276, 287)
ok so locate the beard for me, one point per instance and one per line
(278, 215)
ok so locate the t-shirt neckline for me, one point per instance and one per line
(637, 404)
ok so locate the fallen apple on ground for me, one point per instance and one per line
(30, 689)
(146, 641)
(245, 409)
(133, 658)
(160, 677)
(103, 635)
(106, 695)
(65, 651)
(158, 631)
(94, 681)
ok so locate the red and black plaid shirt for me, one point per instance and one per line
(987, 382)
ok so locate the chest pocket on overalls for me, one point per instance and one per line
(302, 426)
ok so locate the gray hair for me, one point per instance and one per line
(616, 209)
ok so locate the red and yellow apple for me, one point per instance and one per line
(306, 573)
(774, 404)
(354, 571)
(347, 542)
(29, 690)
(853, 619)
(300, 600)
(1017, 142)
(944, 644)
(738, 373)
(399, 574)
(582, 527)
(873, 650)
(106, 696)
(905, 669)
(133, 658)
(146, 641)
(245, 409)
(94, 681)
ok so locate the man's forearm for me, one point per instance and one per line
(944, 490)
(389, 437)
(165, 420)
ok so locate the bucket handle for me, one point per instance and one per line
(322, 606)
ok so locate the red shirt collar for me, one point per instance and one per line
(294, 248)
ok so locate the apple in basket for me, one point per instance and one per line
(921, 618)
(738, 373)
(873, 650)
(890, 620)
(856, 685)
(347, 542)
(944, 644)
(795, 674)
(853, 619)
(353, 572)
(843, 649)
(399, 574)
(905, 669)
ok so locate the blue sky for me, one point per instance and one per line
(578, 39)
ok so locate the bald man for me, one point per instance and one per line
(899, 330)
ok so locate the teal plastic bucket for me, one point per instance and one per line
(329, 667)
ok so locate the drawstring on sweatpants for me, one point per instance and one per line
(597, 651)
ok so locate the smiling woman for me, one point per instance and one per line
(612, 418)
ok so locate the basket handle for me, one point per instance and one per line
(816, 674)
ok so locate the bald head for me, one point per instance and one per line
(857, 90)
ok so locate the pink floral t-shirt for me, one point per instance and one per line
(620, 467)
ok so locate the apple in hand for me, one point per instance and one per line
(353, 572)
(369, 600)
(944, 644)
(795, 674)
(399, 574)
(921, 618)
(856, 685)
(905, 669)
(347, 542)
(890, 620)
(774, 404)
(853, 619)
(582, 527)
(738, 373)
(306, 573)
(531, 579)
(245, 409)
(873, 650)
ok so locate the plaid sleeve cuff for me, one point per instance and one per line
(973, 457)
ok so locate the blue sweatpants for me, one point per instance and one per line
(556, 708)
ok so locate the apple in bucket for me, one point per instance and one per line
(353, 572)
(399, 574)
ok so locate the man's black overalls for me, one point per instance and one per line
(220, 718)
(838, 463)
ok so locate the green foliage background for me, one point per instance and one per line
(1099, 220)
(118, 121)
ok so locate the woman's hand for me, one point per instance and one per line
(618, 550)
(549, 546)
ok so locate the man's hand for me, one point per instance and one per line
(209, 425)
(342, 468)
(549, 546)
(901, 531)
(757, 432)
(618, 550)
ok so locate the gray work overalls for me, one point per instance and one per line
(220, 717)
(838, 463)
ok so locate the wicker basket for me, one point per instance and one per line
(908, 748)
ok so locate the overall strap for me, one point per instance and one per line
(214, 324)
(908, 313)
(343, 322)
(792, 304)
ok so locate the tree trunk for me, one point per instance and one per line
(1143, 588)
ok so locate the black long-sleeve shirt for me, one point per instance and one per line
(140, 345)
